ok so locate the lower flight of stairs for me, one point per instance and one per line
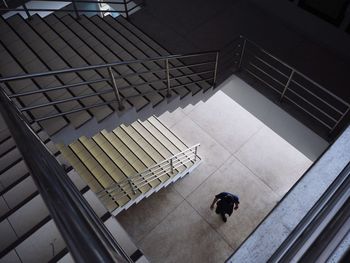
(61, 41)
(130, 163)
(27, 231)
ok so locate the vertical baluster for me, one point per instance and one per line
(216, 69)
(75, 9)
(195, 153)
(287, 84)
(27, 12)
(116, 90)
(171, 166)
(168, 94)
(126, 9)
(242, 52)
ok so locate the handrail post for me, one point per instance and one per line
(340, 119)
(29, 16)
(116, 91)
(171, 166)
(126, 9)
(242, 52)
(195, 153)
(132, 186)
(287, 85)
(216, 68)
(75, 9)
(168, 94)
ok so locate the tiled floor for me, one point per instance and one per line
(241, 155)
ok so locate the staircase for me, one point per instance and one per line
(143, 80)
(28, 233)
(130, 163)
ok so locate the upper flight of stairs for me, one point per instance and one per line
(57, 42)
(27, 231)
(130, 163)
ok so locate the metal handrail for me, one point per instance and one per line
(341, 107)
(84, 233)
(136, 182)
(112, 78)
(124, 10)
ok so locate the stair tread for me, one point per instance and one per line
(138, 151)
(150, 52)
(112, 51)
(53, 62)
(89, 54)
(73, 60)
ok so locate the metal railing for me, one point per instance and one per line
(124, 7)
(203, 65)
(290, 84)
(132, 185)
(86, 237)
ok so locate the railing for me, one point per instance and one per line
(290, 84)
(133, 184)
(124, 7)
(86, 237)
(203, 65)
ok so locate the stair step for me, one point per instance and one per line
(8, 160)
(125, 50)
(148, 51)
(146, 146)
(138, 151)
(20, 192)
(131, 164)
(159, 49)
(11, 175)
(88, 51)
(167, 133)
(49, 60)
(7, 145)
(74, 60)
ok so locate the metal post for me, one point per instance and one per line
(242, 53)
(216, 68)
(27, 12)
(287, 84)
(168, 94)
(126, 10)
(132, 186)
(171, 166)
(75, 9)
(340, 119)
(195, 153)
(115, 87)
(5, 3)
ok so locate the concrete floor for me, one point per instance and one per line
(241, 155)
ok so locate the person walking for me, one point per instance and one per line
(225, 203)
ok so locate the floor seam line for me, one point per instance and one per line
(209, 224)
(161, 221)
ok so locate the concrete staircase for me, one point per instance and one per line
(28, 233)
(59, 42)
(130, 163)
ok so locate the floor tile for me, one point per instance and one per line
(141, 218)
(169, 119)
(274, 160)
(256, 200)
(226, 121)
(189, 240)
(210, 151)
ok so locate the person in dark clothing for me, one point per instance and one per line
(225, 203)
